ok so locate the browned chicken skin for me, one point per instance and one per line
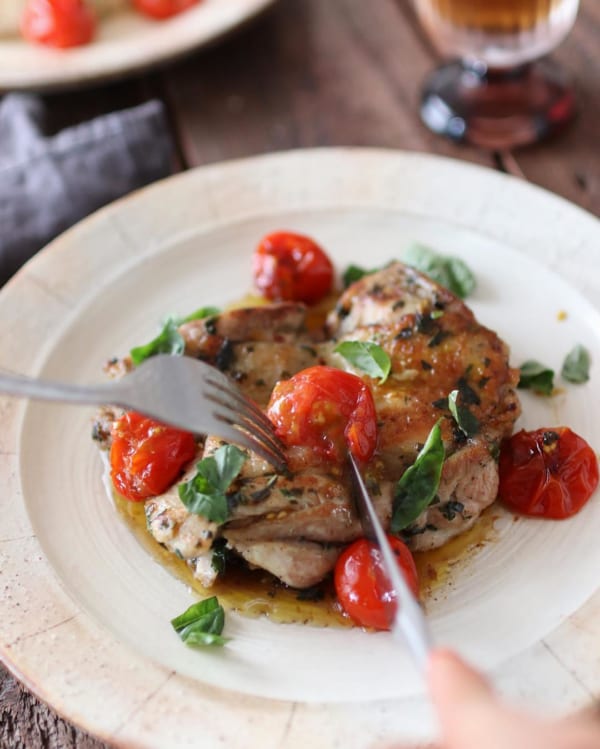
(295, 526)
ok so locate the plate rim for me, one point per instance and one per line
(100, 68)
(35, 269)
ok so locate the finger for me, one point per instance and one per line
(450, 678)
(465, 702)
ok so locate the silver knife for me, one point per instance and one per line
(407, 621)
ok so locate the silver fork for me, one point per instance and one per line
(176, 390)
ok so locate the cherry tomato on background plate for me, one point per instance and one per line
(356, 584)
(292, 268)
(146, 456)
(163, 8)
(328, 410)
(58, 23)
(548, 473)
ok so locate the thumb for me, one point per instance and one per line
(465, 703)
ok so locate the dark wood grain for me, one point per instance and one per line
(316, 73)
(312, 73)
(570, 164)
(26, 723)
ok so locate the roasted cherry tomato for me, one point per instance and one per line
(290, 267)
(549, 473)
(58, 23)
(356, 581)
(326, 409)
(163, 8)
(147, 456)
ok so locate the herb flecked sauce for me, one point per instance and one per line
(254, 593)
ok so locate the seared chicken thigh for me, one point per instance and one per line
(295, 525)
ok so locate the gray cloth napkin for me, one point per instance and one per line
(49, 183)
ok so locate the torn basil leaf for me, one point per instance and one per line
(355, 273)
(169, 340)
(419, 484)
(201, 624)
(199, 314)
(462, 280)
(450, 272)
(536, 377)
(467, 422)
(366, 356)
(205, 493)
(576, 366)
(218, 560)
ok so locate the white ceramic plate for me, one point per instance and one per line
(89, 609)
(126, 42)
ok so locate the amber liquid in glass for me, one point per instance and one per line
(501, 33)
(497, 93)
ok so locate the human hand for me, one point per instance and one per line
(472, 716)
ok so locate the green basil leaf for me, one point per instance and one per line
(366, 356)
(205, 494)
(450, 272)
(201, 624)
(198, 638)
(218, 561)
(427, 261)
(467, 422)
(200, 498)
(199, 314)
(536, 377)
(576, 366)
(195, 612)
(229, 460)
(462, 280)
(169, 340)
(354, 273)
(419, 484)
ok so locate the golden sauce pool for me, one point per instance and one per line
(255, 593)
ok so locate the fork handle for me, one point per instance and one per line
(58, 391)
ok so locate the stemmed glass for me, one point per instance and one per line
(498, 93)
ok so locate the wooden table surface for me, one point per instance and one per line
(313, 73)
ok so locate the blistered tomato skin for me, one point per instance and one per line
(58, 23)
(549, 473)
(160, 9)
(356, 581)
(290, 267)
(146, 457)
(328, 410)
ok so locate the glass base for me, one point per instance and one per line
(497, 109)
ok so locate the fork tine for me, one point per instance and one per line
(240, 411)
(231, 432)
(246, 407)
(245, 404)
(213, 404)
(246, 421)
(224, 412)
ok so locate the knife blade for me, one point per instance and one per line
(406, 618)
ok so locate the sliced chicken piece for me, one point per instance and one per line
(469, 484)
(307, 506)
(300, 564)
(185, 534)
(281, 323)
(388, 295)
